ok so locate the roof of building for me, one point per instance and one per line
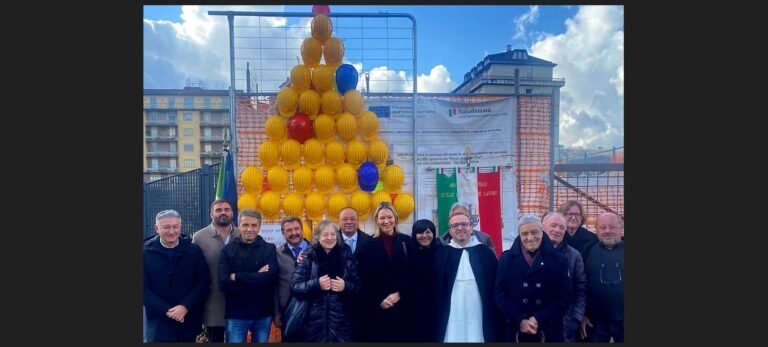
(187, 92)
(510, 56)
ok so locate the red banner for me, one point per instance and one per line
(489, 199)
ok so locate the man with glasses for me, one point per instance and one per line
(176, 280)
(577, 236)
(464, 278)
(604, 317)
(533, 288)
(481, 236)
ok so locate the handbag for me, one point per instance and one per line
(203, 337)
(296, 312)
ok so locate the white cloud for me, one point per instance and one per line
(525, 19)
(196, 48)
(590, 55)
(438, 81)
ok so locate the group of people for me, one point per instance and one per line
(558, 282)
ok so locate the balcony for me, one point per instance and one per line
(210, 154)
(162, 138)
(162, 154)
(162, 169)
(212, 139)
(215, 122)
(161, 122)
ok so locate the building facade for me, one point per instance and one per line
(183, 129)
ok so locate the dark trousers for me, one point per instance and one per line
(605, 330)
(216, 334)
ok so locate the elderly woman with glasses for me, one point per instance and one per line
(533, 288)
(576, 235)
(328, 277)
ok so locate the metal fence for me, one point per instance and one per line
(598, 187)
(189, 193)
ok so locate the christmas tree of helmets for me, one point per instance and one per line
(323, 152)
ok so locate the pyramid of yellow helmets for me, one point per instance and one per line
(317, 141)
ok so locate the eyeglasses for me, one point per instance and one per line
(572, 214)
(461, 225)
(617, 281)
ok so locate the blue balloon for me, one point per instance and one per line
(346, 78)
(368, 176)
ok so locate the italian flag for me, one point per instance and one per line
(478, 187)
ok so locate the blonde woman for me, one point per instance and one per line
(384, 276)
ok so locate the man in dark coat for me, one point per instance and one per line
(554, 227)
(356, 239)
(176, 282)
(533, 289)
(287, 255)
(464, 277)
(605, 283)
(247, 275)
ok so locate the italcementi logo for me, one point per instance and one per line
(455, 112)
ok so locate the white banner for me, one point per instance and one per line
(449, 134)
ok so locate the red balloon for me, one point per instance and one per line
(300, 127)
(324, 9)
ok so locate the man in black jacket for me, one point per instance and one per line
(554, 226)
(247, 276)
(356, 239)
(605, 283)
(176, 280)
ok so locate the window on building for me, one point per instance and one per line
(528, 90)
(153, 147)
(225, 102)
(207, 116)
(172, 132)
(208, 162)
(153, 131)
(172, 118)
(171, 103)
(189, 163)
(187, 116)
(208, 147)
(152, 116)
(189, 102)
(152, 102)
(173, 164)
(188, 132)
(207, 103)
(155, 164)
(189, 148)
(173, 147)
(207, 133)
(154, 178)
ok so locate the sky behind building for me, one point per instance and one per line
(586, 43)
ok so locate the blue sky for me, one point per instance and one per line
(587, 42)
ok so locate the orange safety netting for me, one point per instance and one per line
(532, 152)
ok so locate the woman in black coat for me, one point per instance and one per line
(533, 289)
(422, 310)
(384, 274)
(328, 277)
